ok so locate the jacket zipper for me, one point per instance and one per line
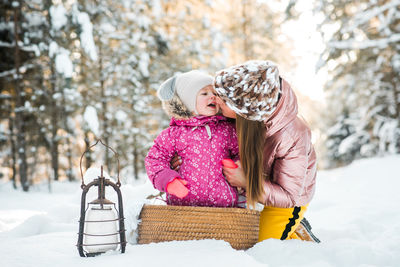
(230, 191)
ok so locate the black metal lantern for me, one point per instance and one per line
(101, 225)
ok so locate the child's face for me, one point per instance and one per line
(206, 104)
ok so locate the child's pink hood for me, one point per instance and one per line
(202, 142)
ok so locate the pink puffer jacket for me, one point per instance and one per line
(202, 142)
(289, 156)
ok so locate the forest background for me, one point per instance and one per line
(74, 71)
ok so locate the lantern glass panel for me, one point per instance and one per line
(101, 228)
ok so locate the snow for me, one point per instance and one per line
(15, 4)
(58, 16)
(64, 64)
(90, 117)
(86, 34)
(53, 49)
(121, 116)
(355, 213)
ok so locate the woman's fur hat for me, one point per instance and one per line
(178, 93)
(251, 89)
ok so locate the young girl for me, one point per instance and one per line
(201, 139)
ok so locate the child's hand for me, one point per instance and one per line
(177, 187)
(229, 163)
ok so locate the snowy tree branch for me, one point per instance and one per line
(352, 44)
(363, 17)
(13, 71)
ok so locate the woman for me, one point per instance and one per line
(277, 165)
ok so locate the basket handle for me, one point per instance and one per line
(115, 153)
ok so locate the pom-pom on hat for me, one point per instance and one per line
(251, 89)
(178, 93)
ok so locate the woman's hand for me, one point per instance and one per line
(235, 176)
(176, 162)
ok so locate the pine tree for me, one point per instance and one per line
(42, 93)
(17, 45)
(365, 82)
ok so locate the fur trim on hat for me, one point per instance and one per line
(251, 89)
(175, 108)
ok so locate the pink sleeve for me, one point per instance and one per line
(289, 175)
(158, 159)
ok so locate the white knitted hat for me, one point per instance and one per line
(188, 84)
(251, 89)
(178, 93)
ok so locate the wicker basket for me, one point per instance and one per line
(161, 223)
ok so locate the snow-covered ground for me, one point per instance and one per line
(355, 213)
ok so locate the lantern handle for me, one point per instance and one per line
(115, 153)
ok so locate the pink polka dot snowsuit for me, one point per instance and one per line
(202, 142)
